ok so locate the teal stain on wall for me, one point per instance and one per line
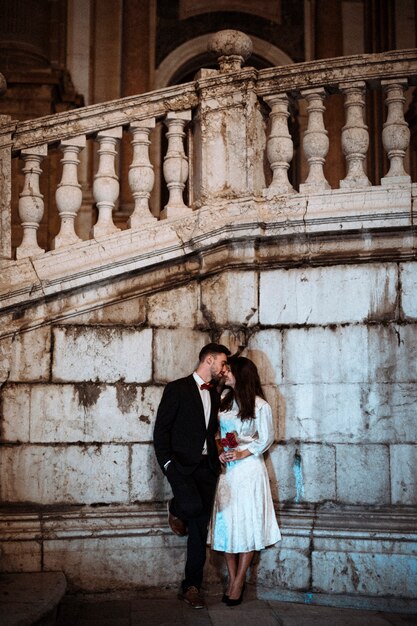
(298, 473)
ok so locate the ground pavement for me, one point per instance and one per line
(161, 607)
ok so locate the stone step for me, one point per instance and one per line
(26, 598)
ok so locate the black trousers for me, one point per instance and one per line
(192, 502)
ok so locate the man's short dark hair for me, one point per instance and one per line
(213, 348)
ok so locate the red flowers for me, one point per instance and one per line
(229, 441)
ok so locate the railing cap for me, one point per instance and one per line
(232, 48)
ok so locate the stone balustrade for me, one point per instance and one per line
(223, 165)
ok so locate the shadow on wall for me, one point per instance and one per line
(269, 377)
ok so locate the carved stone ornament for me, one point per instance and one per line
(231, 47)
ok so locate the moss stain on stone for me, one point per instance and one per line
(126, 396)
(88, 394)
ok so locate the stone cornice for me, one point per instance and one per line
(350, 520)
(374, 225)
(346, 522)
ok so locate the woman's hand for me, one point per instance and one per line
(235, 455)
(222, 458)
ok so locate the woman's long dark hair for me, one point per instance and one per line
(247, 387)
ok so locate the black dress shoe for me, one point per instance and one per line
(225, 598)
(231, 602)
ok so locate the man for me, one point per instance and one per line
(186, 423)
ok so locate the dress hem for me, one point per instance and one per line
(268, 545)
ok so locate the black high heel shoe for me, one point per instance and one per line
(231, 602)
(225, 598)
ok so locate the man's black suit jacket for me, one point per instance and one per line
(180, 427)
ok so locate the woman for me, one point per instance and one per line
(243, 518)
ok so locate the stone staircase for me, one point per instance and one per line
(317, 283)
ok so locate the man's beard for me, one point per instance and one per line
(216, 377)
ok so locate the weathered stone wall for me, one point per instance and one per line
(336, 349)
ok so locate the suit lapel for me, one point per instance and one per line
(213, 409)
(197, 400)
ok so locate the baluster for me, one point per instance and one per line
(31, 201)
(280, 149)
(68, 194)
(7, 128)
(106, 183)
(355, 137)
(176, 164)
(141, 175)
(395, 134)
(316, 141)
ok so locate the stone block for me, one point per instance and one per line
(92, 412)
(20, 556)
(265, 350)
(64, 474)
(102, 354)
(111, 563)
(5, 358)
(56, 415)
(325, 355)
(392, 353)
(408, 276)
(230, 298)
(15, 400)
(127, 413)
(174, 308)
(404, 474)
(279, 462)
(364, 573)
(234, 339)
(283, 568)
(349, 413)
(274, 398)
(318, 465)
(126, 312)
(147, 480)
(31, 355)
(389, 413)
(328, 295)
(176, 352)
(112, 303)
(322, 412)
(302, 473)
(363, 474)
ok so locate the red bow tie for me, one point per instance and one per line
(206, 386)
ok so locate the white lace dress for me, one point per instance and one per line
(243, 512)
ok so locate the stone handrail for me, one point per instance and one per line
(330, 72)
(97, 117)
(223, 164)
(290, 79)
